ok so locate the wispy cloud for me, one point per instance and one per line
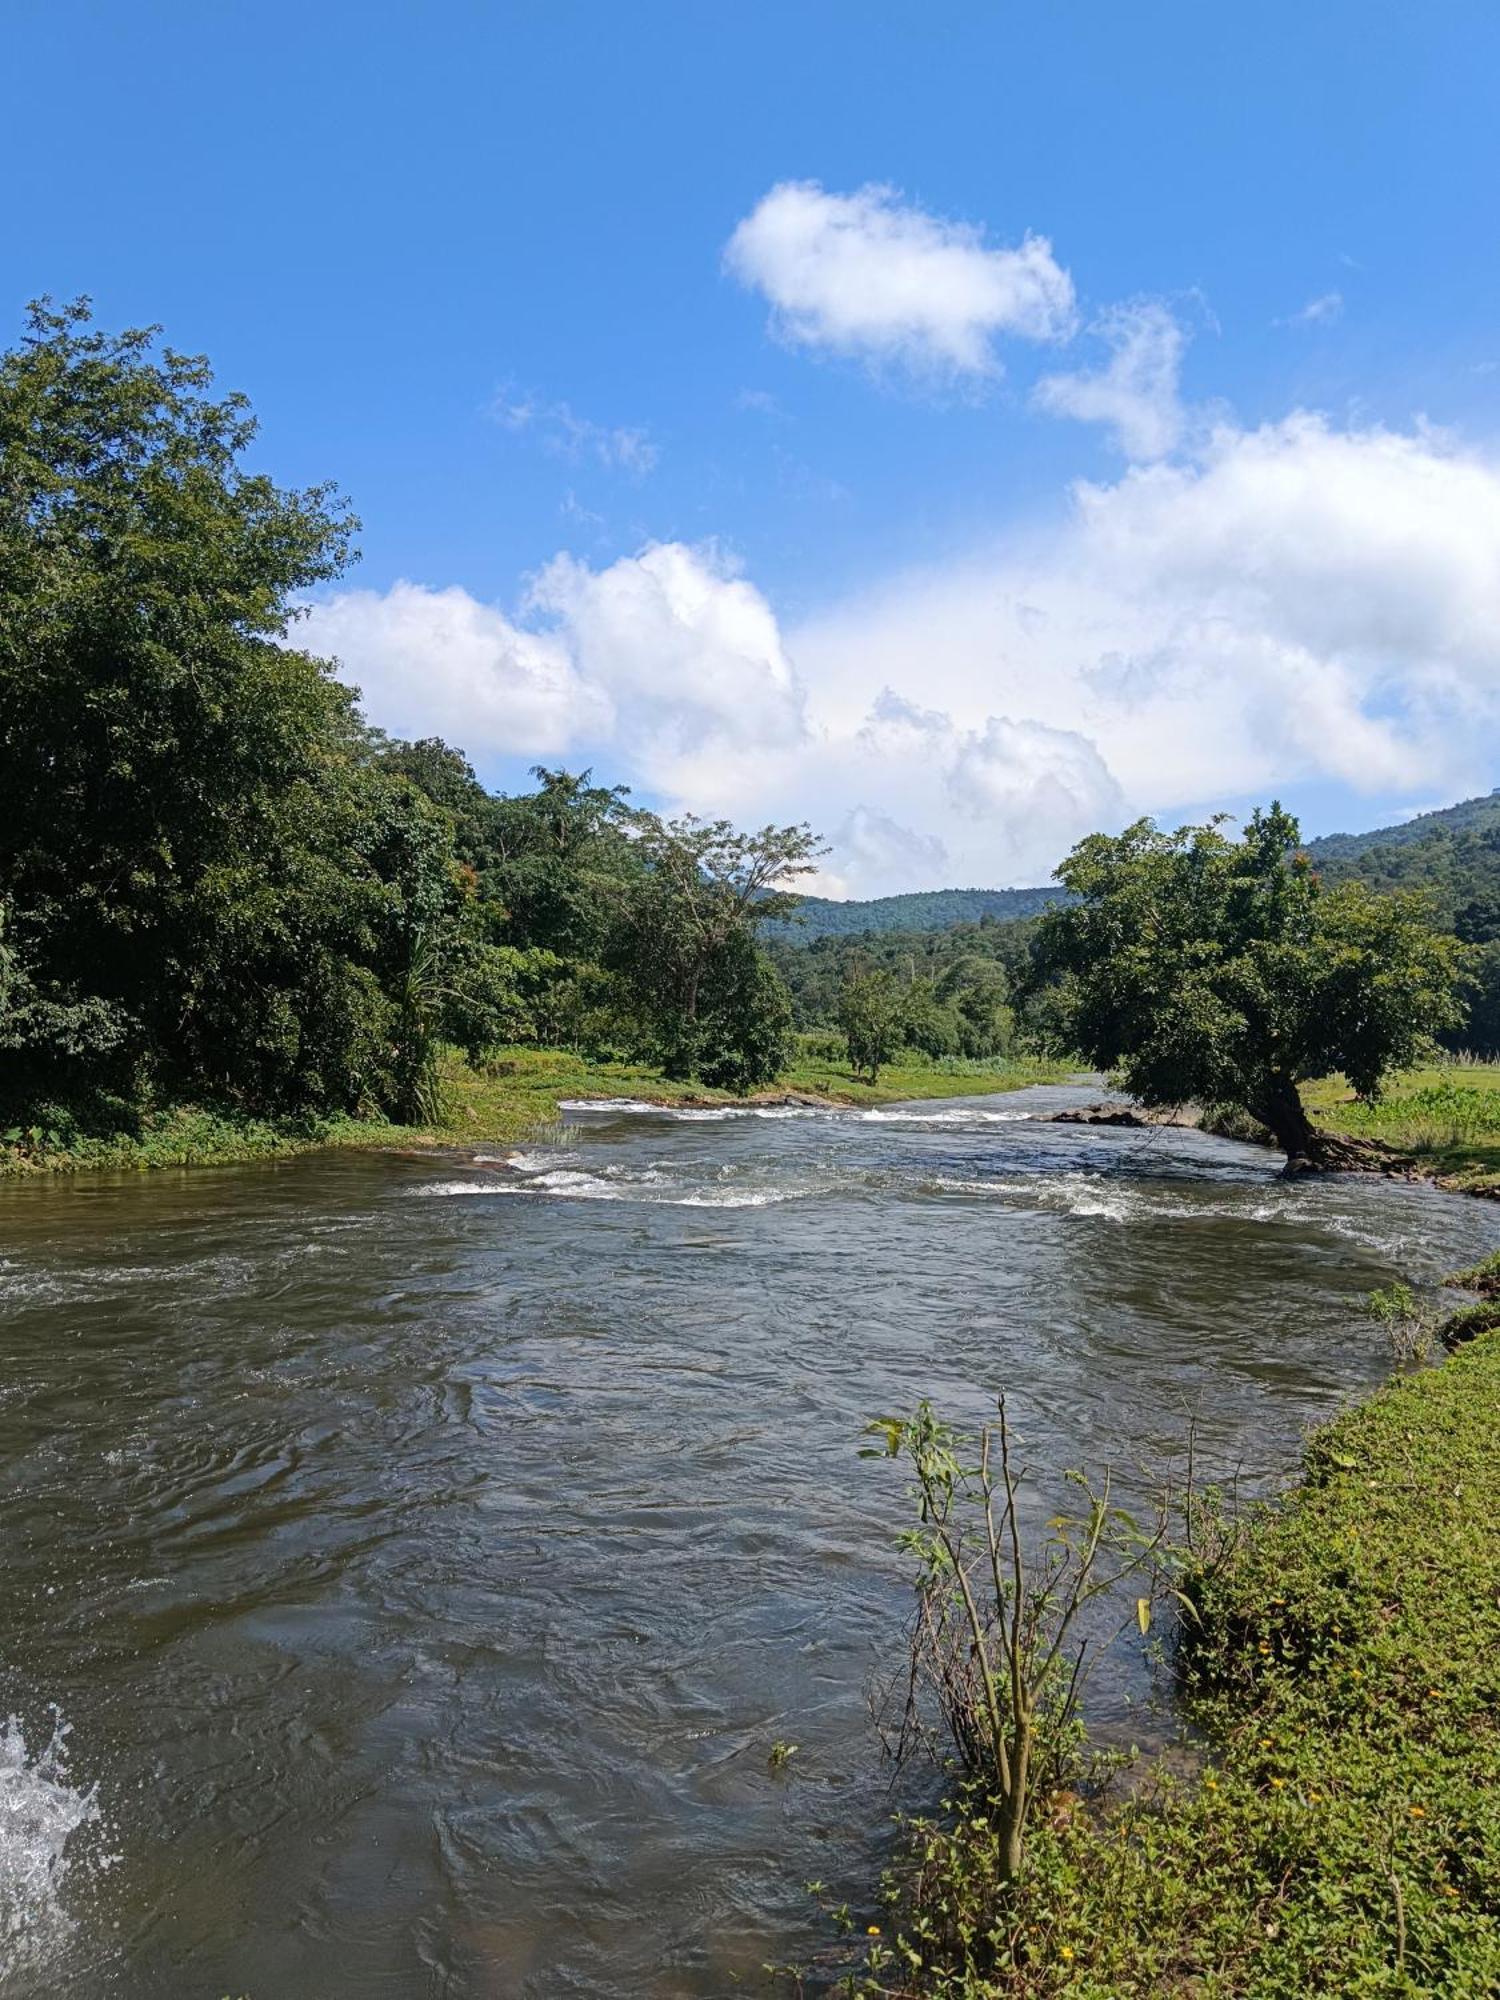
(1136, 392)
(1321, 311)
(560, 430)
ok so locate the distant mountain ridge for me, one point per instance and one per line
(923, 910)
(1469, 816)
(1439, 851)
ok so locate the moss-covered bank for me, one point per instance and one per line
(1345, 1835)
(513, 1096)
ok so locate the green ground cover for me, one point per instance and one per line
(512, 1096)
(1447, 1117)
(1345, 1835)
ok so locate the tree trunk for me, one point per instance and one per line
(1310, 1151)
(1015, 1802)
(1280, 1111)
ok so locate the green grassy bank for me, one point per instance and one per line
(514, 1095)
(1345, 1835)
(1448, 1118)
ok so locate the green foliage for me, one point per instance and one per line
(1220, 971)
(217, 885)
(707, 1000)
(1343, 1669)
(205, 883)
(999, 1646)
(1408, 1324)
(871, 1016)
(1483, 1277)
(924, 910)
(1448, 1115)
(1481, 1030)
(560, 861)
(1452, 857)
(982, 960)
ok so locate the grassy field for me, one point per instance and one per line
(1345, 1835)
(1448, 1118)
(513, 1095)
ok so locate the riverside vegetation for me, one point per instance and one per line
(1339, 1656)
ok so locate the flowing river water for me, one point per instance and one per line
(410, 1564)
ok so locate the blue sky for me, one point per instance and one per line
(790, 528)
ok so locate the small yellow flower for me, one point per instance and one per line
(1212, 1784)
(1435, 1694)
(1268, 1743)
(1066, 1951)
(1417, 1812)
(1278, 1783)
(873, 1931)
(1358, 1673)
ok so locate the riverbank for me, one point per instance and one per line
(1345, 1837)
(1447, 1118)
(1439, 1123)
(513, 1097)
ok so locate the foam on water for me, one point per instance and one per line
(966, 1115)
(432, 1189)
(716, 1114)
(1086, 1194)
(589, 1187)
(695, 1114)
(40, 1813)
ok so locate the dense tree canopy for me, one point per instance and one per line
(196, 876)
(215, 879)
(688, 951)
(871, 1017)
(1223, 971)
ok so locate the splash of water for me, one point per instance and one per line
(40, 1812)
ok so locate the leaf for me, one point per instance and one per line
(1143, 1614)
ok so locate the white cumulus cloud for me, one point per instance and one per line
(1297, 603)
(869, 275)
(440, 663)
(685, 650)
(659, 653)
(1273, 607)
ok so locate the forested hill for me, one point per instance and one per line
(1452, 855)
(925, 910)
(1469, 816)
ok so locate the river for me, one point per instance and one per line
(423, 1556)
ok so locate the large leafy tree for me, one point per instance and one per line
(871, 1013)
(556, 859)
(206, 881)
(713, 1004)
(1200, 967)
